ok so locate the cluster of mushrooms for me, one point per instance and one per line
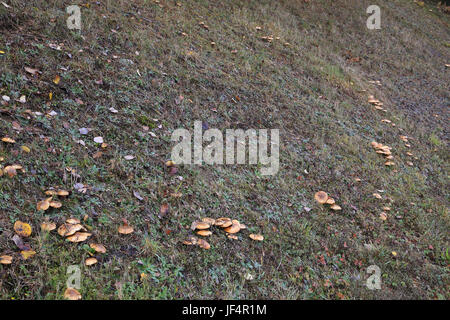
(231, 227)
(323, 198)
(376, 103)
(49, 202)
(385, 151)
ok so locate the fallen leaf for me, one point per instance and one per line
(31, 70)
(98, 139)
(25, 149)
(22, 229)
(137, 195)
(27, 254)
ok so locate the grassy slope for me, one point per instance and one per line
(308, 89)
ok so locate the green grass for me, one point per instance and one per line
(307, 88)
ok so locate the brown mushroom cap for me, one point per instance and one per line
(210, 221)
(90, 261)
(73, 221)
(72, 294)
(79, 237)
(98, 247)
(204, 233)
(43, 205)
(330, 201)
(62, 193)
(221, 221)
(232, 236)
(69, 229)
(335, 207)
(234, 228)
(5, 259)
(203, 244)
(48, 226)
(55, 204)
(200, 225)
(321, 197)
(256, 237)
(191, 241)
(125, 229)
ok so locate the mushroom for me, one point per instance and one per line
(98, 247)
(234, 228)
(90, 261)
(203, 244)
(256, 237)
(321, 197)
(204, 233)
(72, 294)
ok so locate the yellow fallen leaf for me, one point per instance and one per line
(27, 254)
(57, 79)
(25, 149)
(22, 229)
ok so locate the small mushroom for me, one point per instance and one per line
(204, 233)
(321, 197)
(256, 237)
(90, 261)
